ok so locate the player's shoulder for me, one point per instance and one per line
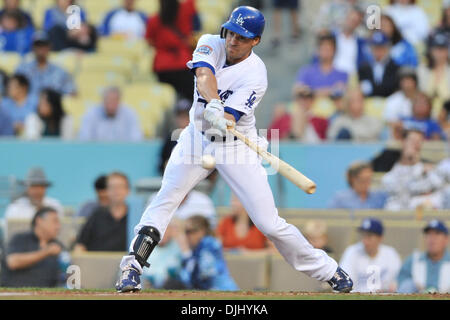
(212, 39)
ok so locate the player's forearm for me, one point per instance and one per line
(207, 84)
(17, 261)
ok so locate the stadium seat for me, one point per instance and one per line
(250, 271)
(9, 61)
(149, 7)
(323, 107)
(107, 63)
(96, 10)
(132, 49)
(101, 78)
(433, 9)
(77, 107)
(283, 277)
(374, 107)
(69, 61)
(405, 215)
(99, 270)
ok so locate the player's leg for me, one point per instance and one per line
(249, 182)
(180, 176)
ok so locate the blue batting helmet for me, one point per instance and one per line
(246, 21)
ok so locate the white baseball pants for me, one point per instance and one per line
(242, 170)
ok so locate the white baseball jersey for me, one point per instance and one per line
(240, 86)
(371, 274)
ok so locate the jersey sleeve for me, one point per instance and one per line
(206, 54)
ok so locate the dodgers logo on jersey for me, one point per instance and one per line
(251, 100)
(204, 49)
(224, 95)
(240, 20)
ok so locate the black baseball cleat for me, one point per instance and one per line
(341, 281)
(129, 281)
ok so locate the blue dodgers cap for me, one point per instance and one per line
(372, 225)
(378, 38)
(436, 225)
(439, 40)
(245, 21)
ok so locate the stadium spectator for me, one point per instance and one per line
(281, 123)
(6, 124)
(444, 26)
(428, 271)
(15, 5)
(36, 258)
(379, 76)
(354, 125)
(83, 39)
(399, 104)
(402, 52)
(351, 49)
(316, 231)
(125, 21)
(56, 16)
(237, 231)
(181, 121)
(44, 74)
(35, 197)
(321, 76)
(106, 228)
(421, 119)
(300, 124)
(3, 83)
(359, 194)
(15, 33)
(205, 268)
(434, 78)
(444, 118)
(372, 265)
(293, 7)
(112, 121)
(102, 200)
(168, 256)
(386, 159)
(50, 119)
(404, 182)
(19, 103)
(171, 33)
(410, 18)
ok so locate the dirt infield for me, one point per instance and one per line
(45, 294)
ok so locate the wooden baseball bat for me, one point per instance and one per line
(281, 166)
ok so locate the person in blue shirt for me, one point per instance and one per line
(358, 196)
(6, 124)
(205, 268)
(57, 15)
(402, 52)
(19, 103)
(421, 119)
(15, 5)
(15, 34)
(428, 271)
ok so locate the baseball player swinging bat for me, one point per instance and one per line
(281, 166)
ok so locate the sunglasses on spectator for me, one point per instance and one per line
(190, 231)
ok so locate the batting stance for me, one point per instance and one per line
(230, 81)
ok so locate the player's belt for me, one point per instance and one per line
(216, 138)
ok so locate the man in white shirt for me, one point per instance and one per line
(125, 21)
(372, 265)
(25, 207)
(399, 104)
